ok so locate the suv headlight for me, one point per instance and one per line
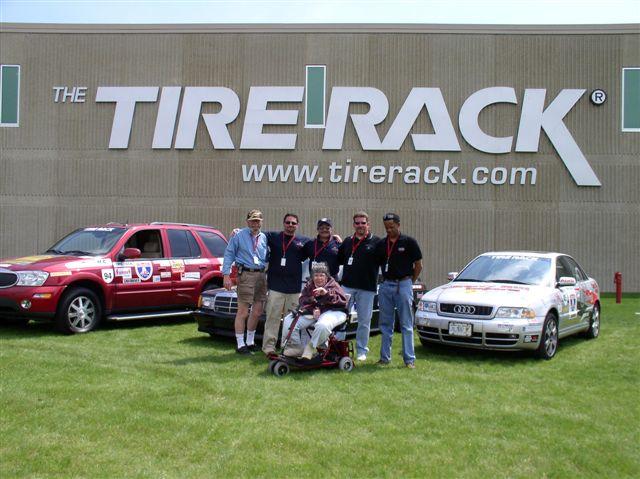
(427, 306)
(206, 302)
(515, 313)
(31, 278)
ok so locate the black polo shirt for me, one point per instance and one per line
(403, 254)
(325, 254)
(288, 278)
(363, 272)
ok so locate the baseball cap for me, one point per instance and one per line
(254, 215)
(391, 217)
(324, 221)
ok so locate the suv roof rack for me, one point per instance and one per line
(181, 224)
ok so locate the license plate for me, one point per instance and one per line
(460, 329)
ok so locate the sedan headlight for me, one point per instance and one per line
(31, 278)
(515, 313)
(427, 306)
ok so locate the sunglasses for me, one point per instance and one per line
(290, 223)
(359, 222)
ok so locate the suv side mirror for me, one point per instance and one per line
(566, 281)
(452, 275)
(130, 253)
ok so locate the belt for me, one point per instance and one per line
(398, 280)
(252, 270)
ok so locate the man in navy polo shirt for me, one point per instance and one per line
(324, 247)
(284, 278)
(401, 261)
(360, 277)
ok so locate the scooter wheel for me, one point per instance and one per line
(272, 363)
(345, 364)
(280, 368)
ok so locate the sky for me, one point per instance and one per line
(323, 11)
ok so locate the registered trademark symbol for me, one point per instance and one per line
(598, 97)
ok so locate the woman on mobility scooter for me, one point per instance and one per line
(322, 304)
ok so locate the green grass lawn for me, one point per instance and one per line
(162, 400)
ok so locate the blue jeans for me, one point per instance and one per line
(396, 295)
(363, 301)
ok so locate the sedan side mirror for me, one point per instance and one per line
(566, 281)
(453, 275)
(130, 253)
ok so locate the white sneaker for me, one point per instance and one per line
(361, 357)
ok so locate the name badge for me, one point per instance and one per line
(386, 268)
(283, 261)
(255, 259)
(350, 261)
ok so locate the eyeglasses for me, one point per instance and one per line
(359, 222)
(290, 223)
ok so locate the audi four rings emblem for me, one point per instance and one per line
(462, 309)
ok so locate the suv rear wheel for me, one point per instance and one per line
(79, 311)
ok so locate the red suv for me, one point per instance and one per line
(114, 271)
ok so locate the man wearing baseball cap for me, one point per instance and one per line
(324, 247)
(248, 249)
(401, 261)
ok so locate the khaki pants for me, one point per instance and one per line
(278, 304)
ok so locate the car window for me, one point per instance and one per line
(563, 268)
(181, 244)
(89, 241)
(577, 272)
(214, 243)
(149, 242)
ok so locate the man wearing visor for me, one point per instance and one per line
(324, 248)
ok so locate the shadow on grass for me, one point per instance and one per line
(34, 329)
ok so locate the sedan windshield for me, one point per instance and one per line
(88, 241)
(510, 269)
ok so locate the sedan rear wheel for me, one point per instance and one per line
(549, 341)
(594, 323)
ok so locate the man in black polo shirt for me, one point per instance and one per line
(284, 278)
(359, 277)
(324, 247)
(401, 261)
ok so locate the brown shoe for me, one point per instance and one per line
(410, 365)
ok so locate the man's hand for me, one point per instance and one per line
(227, 282)
(337, 238)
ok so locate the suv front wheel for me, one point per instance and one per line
(79, 311)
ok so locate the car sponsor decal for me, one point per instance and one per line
(482, 289)
(144, 270)
(56, 274)
(99, 229)
(190, 276)
(156, 278)
(517, 257)
(107, 275)
(504, 327)
(165, 263)
(29, 259)
(196, 261)
(123, 272)
(131, 280)
(165, 274)
(124, 264)
(89, 263)
(177, 266)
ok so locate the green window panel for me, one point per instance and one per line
(631, 99)
(10, 95)
(315, 93)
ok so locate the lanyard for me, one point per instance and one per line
(354, 245)
(390, 248)
(285, 248)
(316, 251)
(255, 243)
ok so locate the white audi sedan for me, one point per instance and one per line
(511, 301)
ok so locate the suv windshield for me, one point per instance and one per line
(88, 241)
(510, 269)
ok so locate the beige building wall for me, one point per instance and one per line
(57, 172)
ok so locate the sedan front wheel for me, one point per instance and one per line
(549, 340)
